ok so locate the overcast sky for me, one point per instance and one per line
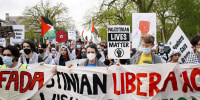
(76, 9)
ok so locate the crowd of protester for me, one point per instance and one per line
(19, 56)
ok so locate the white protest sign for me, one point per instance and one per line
(71, 34)
(2, 42)
(180, 42)
(119, 42)
(142, 23)
(19, 31)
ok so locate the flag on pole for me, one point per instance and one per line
(95, 34)
(47, 28)
(82, 39)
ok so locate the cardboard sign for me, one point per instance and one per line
(180, 42)
(71, 34)
(119, 42)
(143, 23)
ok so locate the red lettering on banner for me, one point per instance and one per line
(19, 83)
(171, 77)
(22, 90)
(13, 78)
(115, 84)
(186, 82)
(139, 83)
(3, 78)
(38, 76)
(152, 83)
(129, 82)
(122, 83)
(193, 75)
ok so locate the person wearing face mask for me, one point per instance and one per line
(53, 53)
(146, 56)
(92, 61)
(194, 56)
(44, 54)
(82, 54)
(76, 51)
(162, 54)
(10, 57)
(29, 56)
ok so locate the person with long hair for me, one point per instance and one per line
(63, 56)
(29, 55)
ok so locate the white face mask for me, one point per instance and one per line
(198, 49)
(91, 56)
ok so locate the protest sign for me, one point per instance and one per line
(19, 31)
(71, 34)
(119, 42)
(180, 42)
(128, 82)
(142, 23)
(2, 42)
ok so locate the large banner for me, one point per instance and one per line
(179, 41)
(142, 23)
(130, 82)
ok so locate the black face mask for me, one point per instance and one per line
(41, 51)
(27, 51)
(83, 55)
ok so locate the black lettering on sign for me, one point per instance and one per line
(51, 85)
(118, 37)
(85, 82)
(97, 81)
(178, 42)
(182, 49)
(185, 57)
(118, 29)
(118, 44)
(70, 82)
(58, 80)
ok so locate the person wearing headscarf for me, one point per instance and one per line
(174, 56)
(63, 56)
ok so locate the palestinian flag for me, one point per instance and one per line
(47, 28)
(82, 39)
(95, 34)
